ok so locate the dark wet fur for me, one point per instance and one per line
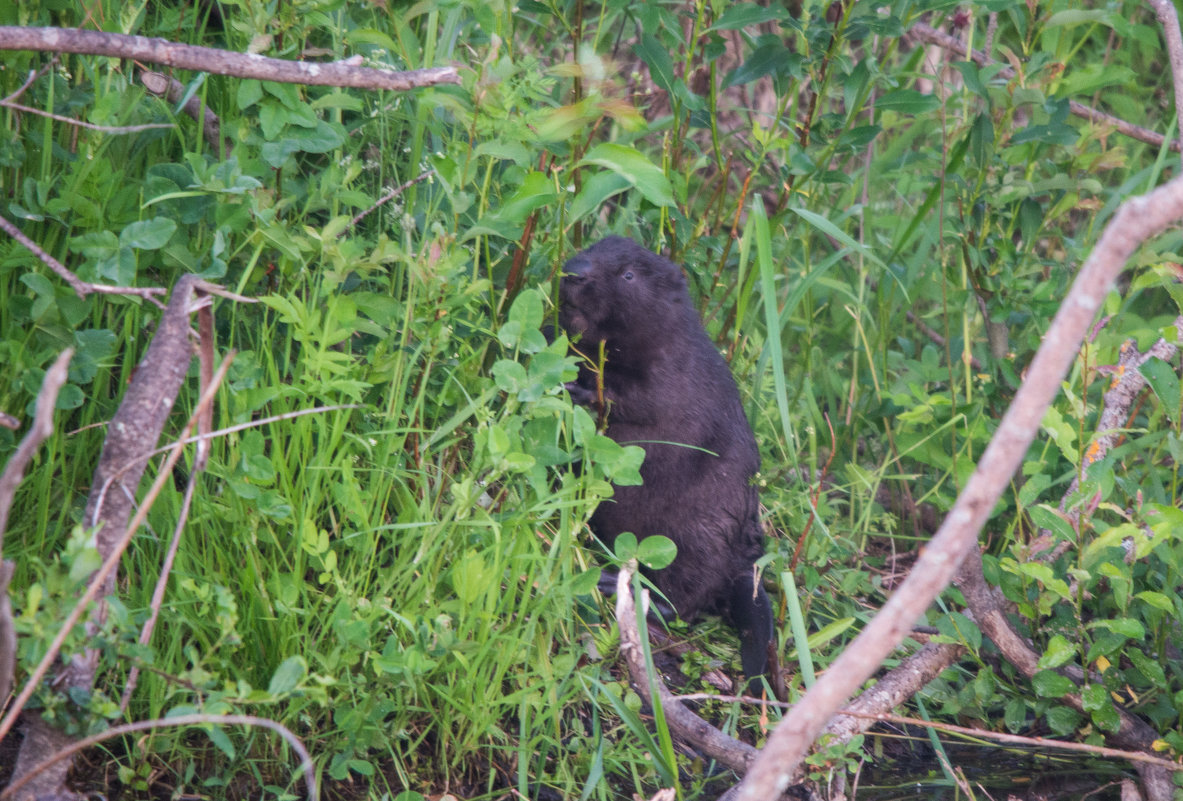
(665, 382)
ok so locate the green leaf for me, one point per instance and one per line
(597, 189)
(1063, 720)
(960, 629)
(907, 101)
(1014, 715)
(657, 57)
(656, 552)
(768, 59)
(1049, 684)
(1156, 599)
(639, 171)
(625, 546)
(744, 15)
(1059, 652)
(148, 234)
(1162, 379)
(1128, 627)
(288, 675)
(86, 562)
(1148, 667)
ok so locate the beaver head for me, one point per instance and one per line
(619, 293)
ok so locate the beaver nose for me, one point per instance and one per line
(577, 267)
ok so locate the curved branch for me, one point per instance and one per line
(1136, 220)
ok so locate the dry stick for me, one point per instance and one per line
(689, 726)
(1126, 386)
(1135, 221)
(180, 720)
(40, 431)
(221, 62)
(391, 195)
(927, 33)
(108, 567)
(133, 675)
(81, 288)
(107, 129)
(1016, 739)
(900, 684)
(172, 90)
(1169, 19)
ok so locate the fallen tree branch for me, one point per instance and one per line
(220, 62)
(1136, 220)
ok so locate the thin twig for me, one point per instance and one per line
(81, 288)
(42, 427)
(108, 129)
(1168, 18)
(393, 193)
(211, 435)
(180, 720)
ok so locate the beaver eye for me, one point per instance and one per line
(628, 276)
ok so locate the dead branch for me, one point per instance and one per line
(219, 62)
(1136, 220)
(1042, 743)
(7, 631)
(173, 90)
(14, 471)
(926, 33)
(897, 686)
(40, 431)
(689, 727)
(81, 288)
(393, 193)
(1168, 18)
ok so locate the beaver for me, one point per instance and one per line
(668, 389)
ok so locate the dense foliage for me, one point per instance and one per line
(877, 233)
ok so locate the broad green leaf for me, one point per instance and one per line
(1049, 684)
(288, 675)
(656, 551)
(633, 166)
(148, 234)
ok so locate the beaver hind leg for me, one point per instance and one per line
(751, 615)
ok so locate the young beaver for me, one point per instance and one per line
(670, 391)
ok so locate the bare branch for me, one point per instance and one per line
(1168, 18)
(686, 725)
(42, 427)
(220, 62)
(1136, 220)
(173, 90)
(109, 129)
(81, 288)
